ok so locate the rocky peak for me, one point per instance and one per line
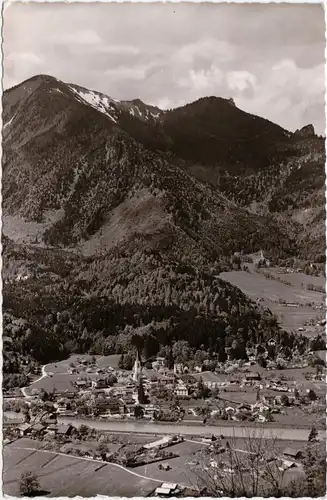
(306, 131)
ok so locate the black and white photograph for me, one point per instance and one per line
(163, 250)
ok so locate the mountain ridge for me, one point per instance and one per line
(122, 232)
(52, 112)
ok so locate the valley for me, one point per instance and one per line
(162, 276)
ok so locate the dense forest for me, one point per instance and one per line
(102, 303)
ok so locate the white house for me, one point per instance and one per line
(178, 368)
(181, 390)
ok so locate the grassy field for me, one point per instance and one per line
(296, 279)
(62, 380)
(61, 367)
(256, 286)
(180, 472)
(68, 476)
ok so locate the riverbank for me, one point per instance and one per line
(193, 430)
(199, 423)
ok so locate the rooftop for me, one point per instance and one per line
(210, 377)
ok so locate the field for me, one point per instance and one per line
(256, 286)
(62, 381)
(181, 470)
(61, 475)
(296, 279)
(62, 367)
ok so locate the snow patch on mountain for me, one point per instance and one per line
(8, 123)
(97, 101)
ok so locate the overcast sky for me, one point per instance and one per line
(269, 58)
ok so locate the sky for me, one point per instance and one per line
(268, 57)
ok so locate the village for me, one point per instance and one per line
(229, 392)
(91, 408)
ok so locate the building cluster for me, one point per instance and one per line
(45, 427)
(151, 393)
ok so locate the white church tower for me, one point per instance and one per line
(137, 369)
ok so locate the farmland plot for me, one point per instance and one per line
(256, 286)
(69, 476)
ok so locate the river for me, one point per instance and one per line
(193, 430)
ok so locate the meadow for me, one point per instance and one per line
(68, 476)
(272, 293)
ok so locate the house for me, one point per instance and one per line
(234, 381)
(158, 363)
(65, 429)
(166, 490)
(112, 406)
(38, 429)
(163, 492)
(278, 400)
(52, 429)
(120, 391)
(168, 380)
(178, 368)
(163, 442)
(252, 377)
(24, 429)
(101, 383)
(269, 400)
(160, 443)
(164, 466)
(81, 384)
(149, 410)
(288, 464)
(244, 406)
(210, 379)
(129, 407)
(181, 390)
(295, 454)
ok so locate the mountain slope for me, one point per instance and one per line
(120, 233)
(67, 154)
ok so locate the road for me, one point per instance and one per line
(193, 430)
(43, 375)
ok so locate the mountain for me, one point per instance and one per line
(68, 159)
(118, 214)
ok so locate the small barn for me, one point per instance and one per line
(295, 454)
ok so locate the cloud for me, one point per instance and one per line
(120, 49)
(205, 49)
(130, 73)
(268, 57)
(19, 64)
(288, 95)
(80, 37)
(23, 57)
(241, 81)
(202, 81)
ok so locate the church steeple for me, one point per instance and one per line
(137, 368)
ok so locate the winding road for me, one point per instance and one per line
(43, 375)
